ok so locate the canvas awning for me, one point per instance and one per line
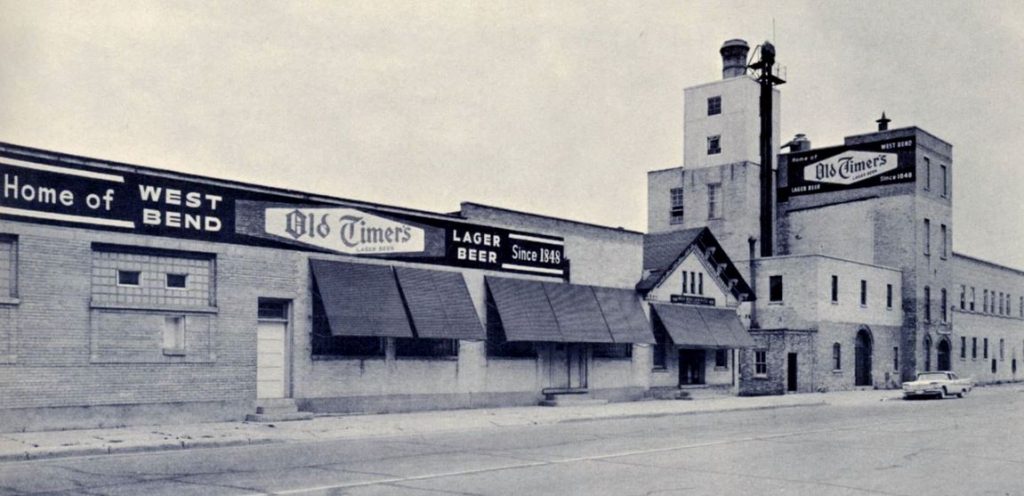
(725, 327)
(570, 313)
(439, 304)
(361, 299)
(684, 325)
(624, 315)
(524, 310)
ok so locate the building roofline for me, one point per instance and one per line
(991, 264)
(912, 128)
(551, 217)
(73, 159)
(666, 169)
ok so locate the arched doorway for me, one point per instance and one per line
(942, 357)
(927, 353)
(862, 358)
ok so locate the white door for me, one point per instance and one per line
(270, 359)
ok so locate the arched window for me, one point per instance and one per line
(837, 362)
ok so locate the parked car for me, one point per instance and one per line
(938, 384)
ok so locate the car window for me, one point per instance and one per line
(931, 377)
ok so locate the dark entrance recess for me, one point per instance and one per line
(942, 355)
(791, 372)
(862, 358)
(691, 367)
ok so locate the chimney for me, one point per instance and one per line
(734, 58)
(883, 123)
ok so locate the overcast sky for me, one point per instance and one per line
(557, 108)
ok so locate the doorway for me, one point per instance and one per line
(569, 366)
(791, 373)
(942, 357)
(271, 349)
(862, 358)
(691, 367)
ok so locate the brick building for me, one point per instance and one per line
(131, 295)
(862, 287)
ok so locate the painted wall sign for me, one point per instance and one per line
(344, 230)
(840, 168)
(692, 300)
(149, 203)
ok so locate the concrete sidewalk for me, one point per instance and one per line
(51, 444)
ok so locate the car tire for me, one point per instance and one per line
(944, 393)
(960, 394)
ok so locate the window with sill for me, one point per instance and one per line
(676, 208)
(761, 363)
(714, 105)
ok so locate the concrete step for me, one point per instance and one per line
(282, 417)
(571, 400)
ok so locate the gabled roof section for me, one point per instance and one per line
(664, 251)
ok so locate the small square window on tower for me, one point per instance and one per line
(714, 144)
(715, 105)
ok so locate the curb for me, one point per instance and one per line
(121, 450)
(692, 412)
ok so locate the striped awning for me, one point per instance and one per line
(439, 304)
(703, 327)
(361, 299)
(572, 313)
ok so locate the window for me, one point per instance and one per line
(927, 353)
(177, 281)
(775, 288)
(675, 214)
(693, 283)
(927, 304)
(8, 266)
(974, 298)
(1001, 347)
(974, 348)
(612, 350)
(963, 348)
(684, 274)
(837, 362)
(715, 105)
(174, 335)
(942, 231)
(945, 181)
(835, 289)
(128, 277)
(1020, 307)
(714, 206)
(942, 299)
(984, 307)
(761, 363)
(963, 297)
(714, 145)
(984, 349)
(863, 293)
(927, 173)
(172, 277)
(895, 357)
(721, 358)
(272, 309)
(927, 237)
(888, 296)
(426, 348)
(1000, 303)
(700, 283)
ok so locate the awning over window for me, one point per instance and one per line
(361, 299)
(578, 315)
(703, 327)
(726, 328)
(624, 315)
(684, 325)
(525, 312)
(573, 313)
(439, 304)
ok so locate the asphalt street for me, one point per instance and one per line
(969, 446)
